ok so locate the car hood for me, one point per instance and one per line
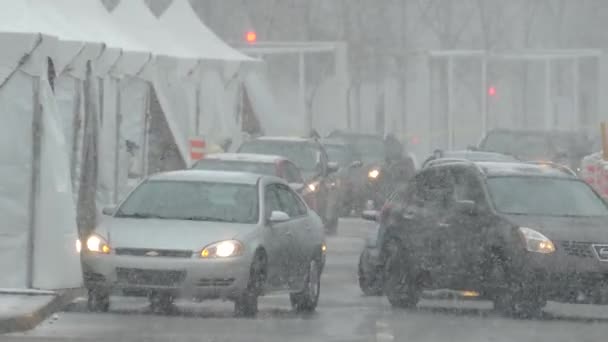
(582, 229)
(169, 234)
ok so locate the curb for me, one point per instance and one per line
(31, 320)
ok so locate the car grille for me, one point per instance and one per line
(203, 282)
(146, 252)
(578, 249)
(135, 276)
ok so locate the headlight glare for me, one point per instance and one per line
(78, 246)
(536, 242)
(373, 174)
(222, 249)
(97, 244)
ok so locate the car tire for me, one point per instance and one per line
(246, 305)
(400, 288)
(98, 300)
(308, 298)
(371, 286)
(515, 298)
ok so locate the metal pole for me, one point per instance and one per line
(117, 140)
(549, 120)
(484, 95)
(34, 182)
(146, 148)
(302, 91)
(450, 114)
(575, 93)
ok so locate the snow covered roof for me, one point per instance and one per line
(186, 26)
(245, 157)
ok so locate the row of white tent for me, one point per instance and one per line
(76, 82)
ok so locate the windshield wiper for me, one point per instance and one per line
(208, 218)
(140, 215)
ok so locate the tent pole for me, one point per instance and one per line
(35, 181)
(146, 133)
(302, 90)
(117, 139)
(484, 96)
(575, 93)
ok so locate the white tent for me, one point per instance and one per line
(39, 226)
(214, 84)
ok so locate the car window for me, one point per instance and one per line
(236, 165)
(434, 187)
(271, 199)
(292, 174)
(466, 186)
(288, 203)
(188, 200)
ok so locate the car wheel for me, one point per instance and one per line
(513, 298)
(369, 284)
(246, 305)
(98, 300)
(401, 289)
(307, 300)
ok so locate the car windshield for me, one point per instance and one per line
(302, 154)
(198, 201)
(544, 196)
(339, 154)
(521, 144)
(236, 165)
(370, 148)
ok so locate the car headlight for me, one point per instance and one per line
(373, 174)
(536, 242)
(222, 249)
(312, 187)
(97, 244)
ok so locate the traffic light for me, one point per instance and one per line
(491, 91)
(251, 37)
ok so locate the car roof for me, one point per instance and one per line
(208, 176)
(547, 133)
(246, 157)
(477, 155)
(523, 169)
(283, 138)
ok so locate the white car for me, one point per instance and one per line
(207, 235)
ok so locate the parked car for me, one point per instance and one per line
(207, 235)
(255, 163)
(518, 234)
(563, 147)
(311, 159)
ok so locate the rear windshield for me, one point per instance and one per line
(230, 165)
(544, 196)
(524, 145)
(197, 201)
(304, 155)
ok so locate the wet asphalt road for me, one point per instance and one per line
(343, 315)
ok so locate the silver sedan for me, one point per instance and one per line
(207, 235)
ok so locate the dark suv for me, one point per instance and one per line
(518, 234)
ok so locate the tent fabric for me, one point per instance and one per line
(183, 22)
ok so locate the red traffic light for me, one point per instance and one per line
(491, 91)
(251, 37)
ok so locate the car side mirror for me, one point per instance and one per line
(466, 207)
(332, 167)
(278, 216)
(370, 215)
(356, 164)
(108, 211)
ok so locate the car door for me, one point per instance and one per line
(301, 239)
(278, 240)
(467, 229)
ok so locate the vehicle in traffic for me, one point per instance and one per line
(254, 163)
(562, 147)
(471, 155)
(311, 159)
(518, 234)
(346, 177)
(207, 235)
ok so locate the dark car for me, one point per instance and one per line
(469, 155)
(253, 163)
(518, 234)
(345, 178)
(563, 147)
(311, 159)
